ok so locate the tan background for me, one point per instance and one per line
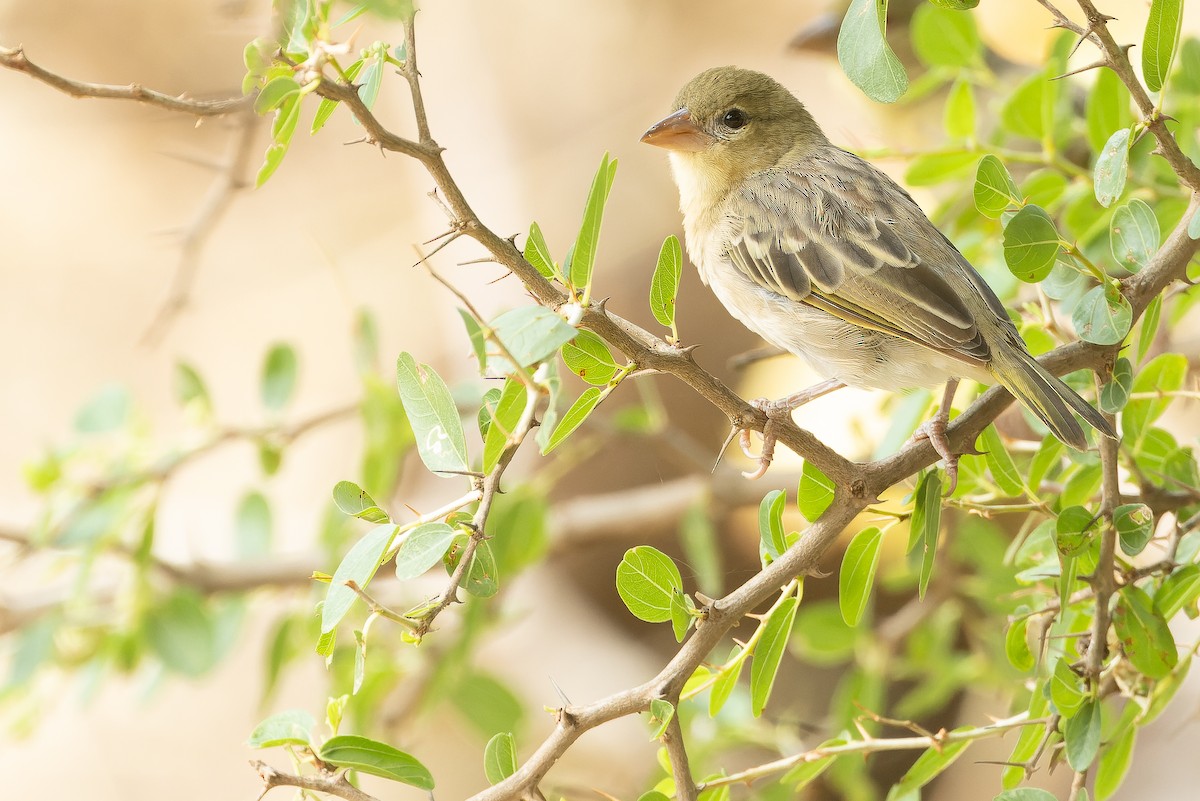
(526, 96)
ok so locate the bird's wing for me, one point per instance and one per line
(843, 238)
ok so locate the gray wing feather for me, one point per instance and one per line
(842, 237)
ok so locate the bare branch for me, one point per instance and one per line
(230, 179)
(337, 786)
(685, 785)
(15, 59)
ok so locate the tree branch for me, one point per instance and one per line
(337, 786)
(15, 59)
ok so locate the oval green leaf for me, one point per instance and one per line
(1112, 166)
(777, 628)
(588, 357)
(423, 548)
(857, 576)
(530, 334)
(1144, 634)
(1162, 37)
(353, 500)
(864, 53)
(375, 758)
(574, 417)
(286, 728)
(358, 565)
(664, 285)
(500, 757)
(647, 580)
(1133, 233)
(433, 415)
(1103, 316)
(995, 190)
(1031, 244)
(815, 492)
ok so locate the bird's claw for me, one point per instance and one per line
(935, 431)
(775, 412)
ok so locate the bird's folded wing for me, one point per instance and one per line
(830, 241)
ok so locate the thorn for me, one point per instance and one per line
(1098, 63)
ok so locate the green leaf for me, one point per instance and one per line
(375, 758)
(1074, 530)
(190, 388)
(1164, 691)
(531, 334)
(770, 524)
(1022, 112)
(278, 377)
(372, 80)
(1133, 232)
(1031, 244)
(1081, 735)
(928, 766)
(1194, 225)
(574, 417)
(483, 574)
(588, 357)
(1165, 374)
(956, 5)
(1044, 187)
(107, 411)
(423, 548)
(1028, 743)
(959, 116)
(769, 651)
(661, 712)
(1178, 590)
(925, 524)
(805, 773)
(1114, 394)
(857, 575)
(1027, 793)
(726, 681)
(293, 727)
(995, 190)
(864, 53)
(274, 93)
(1112, 165)
(537, 253)
(1162, 37)
(1148, 327)
(358, 565)
(505, 418)
(1135, 526)
(181, 632)
(1064, 689)
(584, 253)
(441, 442)
(1143, 633)
(478, 341)
(1103, 316)
(815, 492)
(943, 38)
(934, 168)
(1016, 645)
(1001, 464)
(354, 501)
(500, 757)
(253, 526)
(647, 580)
(1115, 760)
(326, 106)
(1107, 108)
(664, 284)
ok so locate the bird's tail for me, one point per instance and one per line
(1046, 396)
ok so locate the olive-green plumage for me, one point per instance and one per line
(825, 256)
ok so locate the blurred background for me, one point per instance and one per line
(526, 97)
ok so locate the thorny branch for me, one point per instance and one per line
(857, 485)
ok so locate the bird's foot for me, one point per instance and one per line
(776, 412)
(935, 431)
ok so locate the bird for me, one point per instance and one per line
(824, 256)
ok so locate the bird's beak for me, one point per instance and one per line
(678, 132)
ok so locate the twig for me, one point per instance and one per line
(230, 179)
(15, 59)
(685, 785)
(337, 786)
(874, 745)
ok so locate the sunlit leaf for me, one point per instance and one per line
(769, 651)
(647, 580)
(293, 727)
(664, 284)
(441, 442)
(865, 56)
(423, 548)
(358, 565)
(857, 576)
(995, 190)
(573, 418)
(1162, 37)
(500, 757)
(375, 758)
(1031, 244)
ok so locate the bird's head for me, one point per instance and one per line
(734, 122)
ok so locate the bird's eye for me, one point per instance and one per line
(734, 118)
